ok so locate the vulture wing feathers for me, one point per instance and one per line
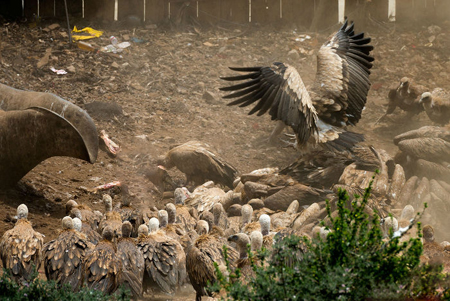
(280, 89)
(20, 249)
(63, 258)
(342, 79)
(336, 99)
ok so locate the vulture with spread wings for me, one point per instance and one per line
(335, 100)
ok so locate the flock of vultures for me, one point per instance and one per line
(161, 250)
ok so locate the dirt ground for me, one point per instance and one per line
(167, 86)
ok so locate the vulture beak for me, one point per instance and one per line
(35, 126)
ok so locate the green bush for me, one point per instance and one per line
(354, 263)
(38, 289)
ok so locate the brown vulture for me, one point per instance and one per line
(406, 96)
(200, 259)
(165, 260)
(199, 164)
(335, 100)
(35, 126)
(425, 152)
(63, 257)
(132, 261)
(437, 105)
(102, 266)
(21, 246)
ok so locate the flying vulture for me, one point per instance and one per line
(335, 100)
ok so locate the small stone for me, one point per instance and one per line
(115, 65)
(71, 69)
(210, 97)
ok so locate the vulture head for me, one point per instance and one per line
(126, 229)
(426, 99)
(107, 200)
(180, 195)
(256, 240)
(323, 232)
(164, 161)
(153, 225)
(71, 204)
(241, 240)
(202, 227)
(217, 211)
(390, 223)
(142, 230)
(67, 223)
(76, 213)
(172, 212)
(209, 218)
(163, 217)
(264, 221)
(246, 214)
(108, 233)
(408, 213)
(22, 211)
(404, 85)
(77, 223)
(126, 200)
(428, 233)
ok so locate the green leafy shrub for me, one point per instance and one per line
(38, 289)
(353, 263)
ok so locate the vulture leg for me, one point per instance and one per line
(276, 132)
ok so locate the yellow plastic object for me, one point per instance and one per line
(93, 33)
(86, 46)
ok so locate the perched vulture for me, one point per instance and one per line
(200, 259)
(243, 262)
(63, 257)
(102, 266)
(405, 96)
(91, 235)
(437, 105)
(112, 218)
(35, 126)
(335, 100)
(21, 247)
(199, 164)
(183, 215)
(425, 152)
(132, 261)
(87, 214)
(165, 260)
(128, 212)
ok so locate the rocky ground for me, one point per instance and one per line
(165, 90)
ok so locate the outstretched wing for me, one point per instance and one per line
(342, 81)
(278, 89)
